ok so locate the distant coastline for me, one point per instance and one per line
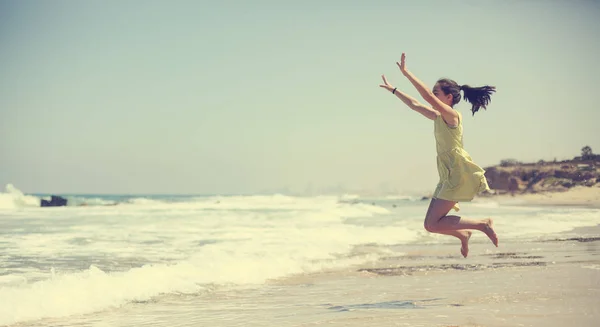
(573, 182)
(514, 177)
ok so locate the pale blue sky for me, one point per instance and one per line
(243, 96)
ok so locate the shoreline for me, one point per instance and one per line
(540, 283)
(581, 196)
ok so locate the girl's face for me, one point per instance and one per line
(445, 98)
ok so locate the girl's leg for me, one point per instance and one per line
(437, 221)
(462, 235)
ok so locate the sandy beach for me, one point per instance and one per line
(549, 283)
(580, 196)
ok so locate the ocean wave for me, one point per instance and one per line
(95, 290)
(13, 198)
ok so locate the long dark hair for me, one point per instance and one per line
(479, 97)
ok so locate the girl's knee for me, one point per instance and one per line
(430, 227)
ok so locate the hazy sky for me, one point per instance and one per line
(244, 96)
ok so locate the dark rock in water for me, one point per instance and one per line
(55, 201)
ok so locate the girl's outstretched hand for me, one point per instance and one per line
(402, 64)
(385, 84)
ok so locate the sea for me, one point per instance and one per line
(219, 260)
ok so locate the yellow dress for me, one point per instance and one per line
(460, 178)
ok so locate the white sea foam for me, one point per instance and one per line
(93, 201)
(13, 198)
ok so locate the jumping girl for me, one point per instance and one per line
(460, 178)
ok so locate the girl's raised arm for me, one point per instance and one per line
(449, 115)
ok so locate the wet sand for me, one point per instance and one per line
(552, 283)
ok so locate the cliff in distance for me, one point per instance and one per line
(511, 176)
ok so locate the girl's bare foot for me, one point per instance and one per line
(488, 229)
(464, 240)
